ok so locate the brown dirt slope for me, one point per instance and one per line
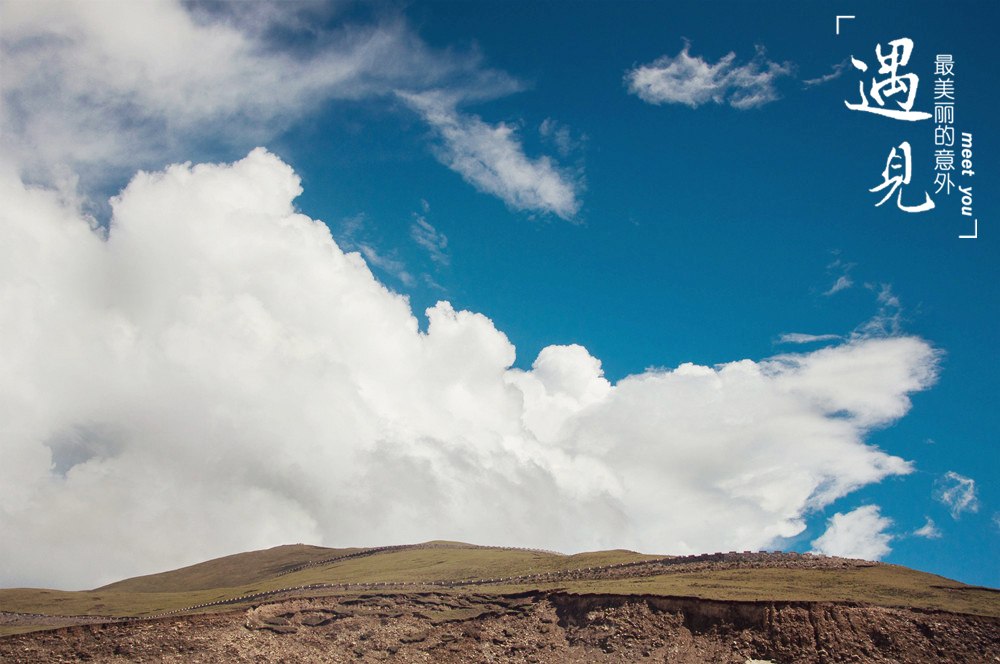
(557, 627)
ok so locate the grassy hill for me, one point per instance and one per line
(786, 577)
(229, 571)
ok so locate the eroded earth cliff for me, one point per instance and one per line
(537, 626)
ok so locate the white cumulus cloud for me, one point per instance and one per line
(217, 375)
(692, 81)
(857, 534)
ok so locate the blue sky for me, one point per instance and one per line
(669, 287)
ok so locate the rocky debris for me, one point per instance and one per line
(39, 619)
(552, 627)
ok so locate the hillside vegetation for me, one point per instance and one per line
(459, 567)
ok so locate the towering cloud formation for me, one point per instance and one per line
(216, 375)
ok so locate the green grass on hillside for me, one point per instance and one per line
(229, 571)
(105, 603)
(451, 564)
(882, 585)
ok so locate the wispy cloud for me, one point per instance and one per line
(843, 272)
(887, 298)
(856, 534)
(352, 234)
(843, 283)
(957, 493)
(928, 530)
(692, 81)
(491, 158)
(106, 87)
(838, 70)
(559, 135)
(387, 263)
(799, 338)
(428, 237)
(889, 319)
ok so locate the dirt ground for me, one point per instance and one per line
(556, 627)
